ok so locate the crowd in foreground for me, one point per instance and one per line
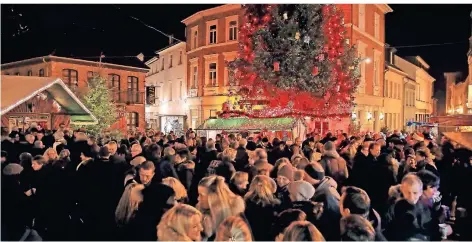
(66, 185)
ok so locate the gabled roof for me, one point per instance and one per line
(19, 89)
(277, 124)
(211, 11)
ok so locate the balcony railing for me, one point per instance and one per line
(128, 97)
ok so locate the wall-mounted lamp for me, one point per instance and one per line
(381, 116)
(354, 116)
(366, 60)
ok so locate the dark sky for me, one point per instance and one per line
(86, 30)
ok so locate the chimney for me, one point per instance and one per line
(392, 55)
(171, 39)
(451, 78)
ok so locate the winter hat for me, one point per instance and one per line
(286, 171)
(226, 170)
(301, 190)
(12, 169)
(315, 171)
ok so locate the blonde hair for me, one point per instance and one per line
(299, 230)
(136, 148)
(138, 160)
(176, 185)
(234, 228)
(221, 200)
(261, 191)
(129, 203)
(169, 151)
(176, 222)
(239, 178)
(54, 155)
(229, 154)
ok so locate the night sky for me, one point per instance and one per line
(83, 31)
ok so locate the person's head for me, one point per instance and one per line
(281, 145)
(226, 170)
(112, 147)
(51, 154)
(65, 153)
(169, 151)
(240, 179)
(285, 218)
(354, 200)
(314, 173)
(29, 138)
(234, 228)
(38, 144)
(179, 189)
(356, 228)
(130, 200)
(181, 223)
(284, 175)
(104, 153)
(300, 191)
(229, 155)
(242, 143)
(261, 153)
(146, 172)
(329, 146)
(302, 231)
(210, 145)
(374, 149)
(136, 149)
(40, 135)
(298, 141)
(38, 162)
(421, 155)
(182, 156)
(261, 191)
(25, 159)
(411, 188)
(91, 140)
(430, 183)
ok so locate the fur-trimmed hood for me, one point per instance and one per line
(189, 165)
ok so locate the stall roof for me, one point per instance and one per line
(16, 90)
(453, 120)
(463, 138)
(245, 123)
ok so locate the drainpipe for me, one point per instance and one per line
(47, 69)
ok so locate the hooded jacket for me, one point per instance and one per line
(335, 166)
(185, 171)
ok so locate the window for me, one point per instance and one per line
(230, 78)
(41, 72)
(133, 94)
(361, 48)
(361, 17)
(162, 66)
(212, 75)
(132, 120)
(91, 75)
(376, 70)
(233, 30)
(195, 76)
(180, 89)
(30, 73)
(170, 61)
(213, 34)
(377, 26)
(195, 39)
(180, 58)
(70, 77)
(170, 91)
(114, 81)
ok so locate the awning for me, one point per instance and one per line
(19, 89)
(243, 123)
(462, 138)
(453, 120)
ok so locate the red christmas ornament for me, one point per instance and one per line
(315, 71)
(276, 66)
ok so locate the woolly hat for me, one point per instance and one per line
(315, 171)
(418, 137)
(286, 171)
(301, 190)
(12, 169)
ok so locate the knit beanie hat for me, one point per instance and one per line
(286, 171)
(315, 171)
(301, 190)
(12, 169)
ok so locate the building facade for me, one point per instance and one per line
(126, 83)
(212, 41)
(417, 70)
(398, 90)
(365, 26)
(166, 90)
(458, 94)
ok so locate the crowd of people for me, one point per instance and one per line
(67, 185)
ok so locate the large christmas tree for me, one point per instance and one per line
(296, 56)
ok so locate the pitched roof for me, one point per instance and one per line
(249, 124)
(19, 89)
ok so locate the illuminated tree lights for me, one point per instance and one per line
(296, 57)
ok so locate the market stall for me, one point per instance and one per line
(282, 128)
